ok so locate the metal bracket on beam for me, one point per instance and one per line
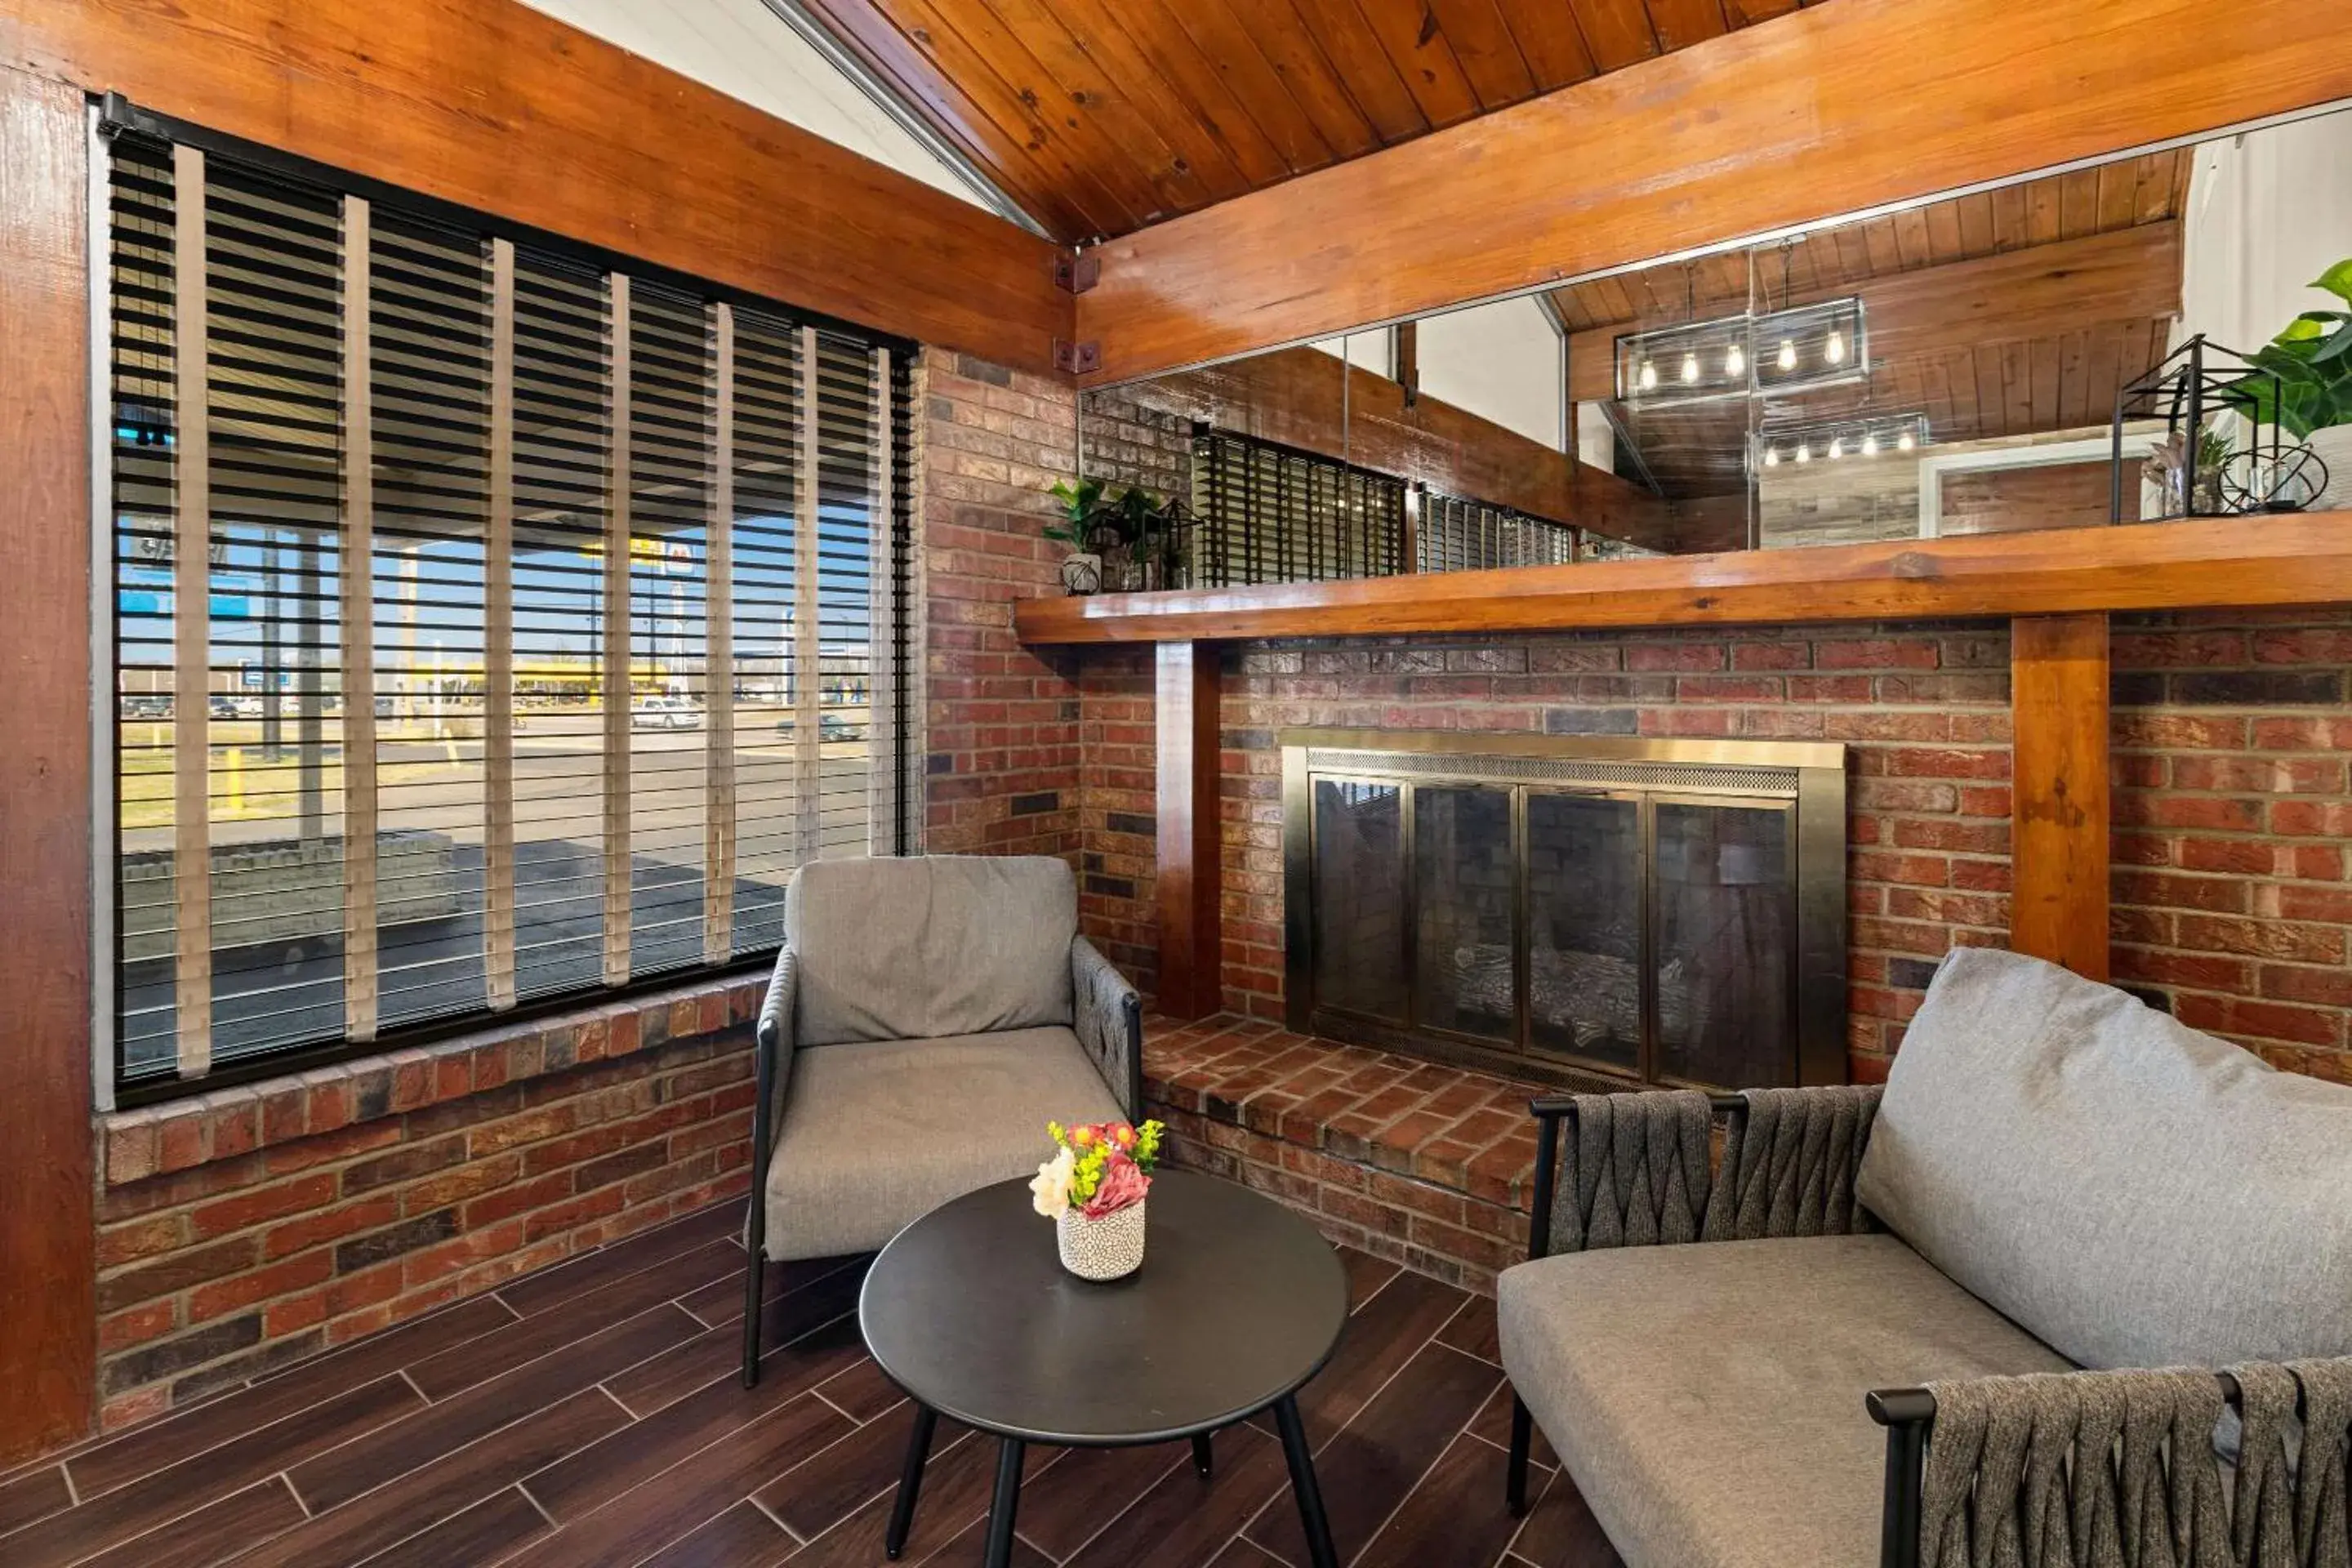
(1078, 359)
(1077, 271)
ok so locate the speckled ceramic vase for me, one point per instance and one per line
(1110, 1247)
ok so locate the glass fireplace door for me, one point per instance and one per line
(1724, 940)
(1584, 927)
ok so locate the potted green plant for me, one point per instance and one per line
(1103, 525)
(2309, 389)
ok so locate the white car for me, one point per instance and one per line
(665, 713)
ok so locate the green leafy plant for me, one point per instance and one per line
(2310, 384)
(1093, 515)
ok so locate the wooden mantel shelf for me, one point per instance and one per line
(2237, 562)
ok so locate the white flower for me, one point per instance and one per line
(1051, 1187)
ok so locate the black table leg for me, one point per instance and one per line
(1008, 1498)
(910, 1480)
(1204, 1457)
(1302, 1482)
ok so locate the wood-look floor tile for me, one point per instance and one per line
(742, 1537)
(957, 1486)
(503, 1349)
(1474, 1330)
(716, 1353)
(1366, 1275)
(33, 1495)
(1376, 1458)
(133, 1509)
(450, 1484)
(720, 1302)
(335, 1478)
(486, 1532)
(1379, 1340)
(212, 1534)
(593, 1271)
(1183, 1521)
(1455, 1519)
(597, 1473)
(1241, 1553)
(1492, 1423)
(1078, 1496)
(865, 1391)
(1560, 1532)
(831, 1486)
(150, 1447)
(680, 1500)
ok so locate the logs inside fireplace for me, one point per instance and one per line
(1598, 910)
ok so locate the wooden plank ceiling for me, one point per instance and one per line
(1099, 117)
(1993, 349)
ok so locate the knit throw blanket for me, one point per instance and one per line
(1634, 1170)
(2119, 1470)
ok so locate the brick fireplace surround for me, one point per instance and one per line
(247, 1228)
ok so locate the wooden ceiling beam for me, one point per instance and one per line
(2220, 563)
(2043, 290)
(1831, 109)
(1307, 399)
(495, 106)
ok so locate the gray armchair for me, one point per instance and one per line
(928, 1016)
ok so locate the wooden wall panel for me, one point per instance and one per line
(48, 1235)
(490, 104)
(2058, 701)
(1832, 108)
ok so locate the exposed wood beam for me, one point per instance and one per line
(1307, 399)
(1405, 358)
(49, 1355)
(1190, 878)
(2132, 274)
(495, 106)
(1831, 110)
(2304, 560)
(2058, 704)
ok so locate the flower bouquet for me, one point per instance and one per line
(1093, 1190)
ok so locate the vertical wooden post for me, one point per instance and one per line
(2058, 702)
(718, 656)
(1404, 355)
(619, 695)
(192, 863)
(49, 1356)
(355, 592)
(1191, 938)
(498, 646)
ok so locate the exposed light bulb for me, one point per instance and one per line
(1870, 446)
(1904, 442)
(1837, 447)
(1734, 362)
(1690, 369)
(1771, 456)
(1833, 351)
(1649, 378)
(1804, 452)
(1788, 354)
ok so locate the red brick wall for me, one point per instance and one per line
(2230, 758)
(255, 1226)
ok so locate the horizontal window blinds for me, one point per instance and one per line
(1458, 535)
(1269, 514)
(492, 625)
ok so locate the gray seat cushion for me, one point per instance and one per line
(878, 1133)
(923, 946)
(1707, 1398)
(2134, 1192)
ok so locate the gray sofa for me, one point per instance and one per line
(1901, 1326)
(928, 1016)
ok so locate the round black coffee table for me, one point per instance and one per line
(1238, 1303)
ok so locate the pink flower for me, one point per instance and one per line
(1123, 1185)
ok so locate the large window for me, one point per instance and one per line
(494, 624)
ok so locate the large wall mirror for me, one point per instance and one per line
(1965, 363)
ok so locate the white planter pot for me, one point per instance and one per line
(2334, 446)
(1110, 1247)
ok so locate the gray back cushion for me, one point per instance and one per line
(915, 948)
(2129, 1190)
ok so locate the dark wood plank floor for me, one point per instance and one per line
(590, 1415)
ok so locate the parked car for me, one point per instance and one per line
(147, 706)
(663, 713)
(829, 727)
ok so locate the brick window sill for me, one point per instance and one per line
(180, 1135)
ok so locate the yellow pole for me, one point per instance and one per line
(236, 781)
